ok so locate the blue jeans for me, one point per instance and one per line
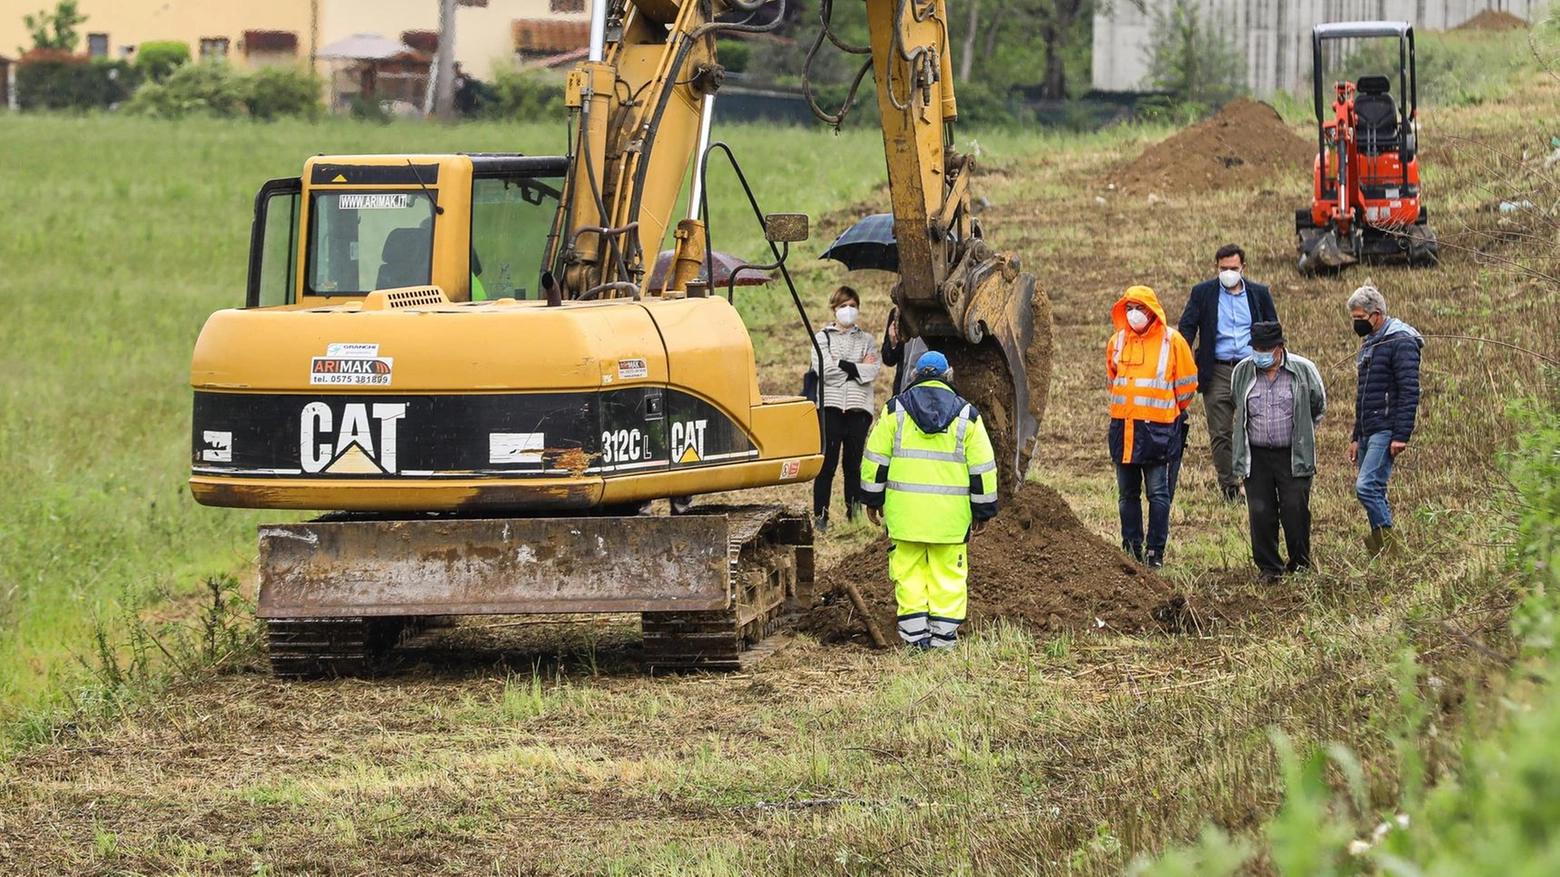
(1132, 481)
(1375, 462)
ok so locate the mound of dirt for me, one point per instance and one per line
(1247, 145)
(1036, 566)
(1490, 19)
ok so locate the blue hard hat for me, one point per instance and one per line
(931, 363)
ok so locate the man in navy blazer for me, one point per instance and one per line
(1217, 322)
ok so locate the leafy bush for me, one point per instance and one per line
(194, 89)
(55, 31)
(272, 92)
(159, 58)
(734, 55)
(979, 104)
(1190, 60)
(525, 96)
(55, 81)
(366, 109)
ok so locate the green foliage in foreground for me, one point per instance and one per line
(1497, 814)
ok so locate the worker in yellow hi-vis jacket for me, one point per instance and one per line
(930, 473)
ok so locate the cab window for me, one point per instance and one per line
(363, 241)
(511, 218)
(273, 244)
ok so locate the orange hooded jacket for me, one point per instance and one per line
(1153, 377)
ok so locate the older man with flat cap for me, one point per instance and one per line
(1279, 400)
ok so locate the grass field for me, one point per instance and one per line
(536, 749)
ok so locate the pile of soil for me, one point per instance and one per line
(1036, 566)
(1247, 145)
(1490, 19)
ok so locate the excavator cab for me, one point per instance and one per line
(1365, 201)
(366, 223)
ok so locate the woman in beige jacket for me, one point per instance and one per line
(850, 363)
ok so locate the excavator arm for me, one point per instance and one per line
(970, 301)
(642, 104)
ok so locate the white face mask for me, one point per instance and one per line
(846, 316)
(1229, 278)
(1137, 320)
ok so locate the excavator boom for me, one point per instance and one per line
(968, 300)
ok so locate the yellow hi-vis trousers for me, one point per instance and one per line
(931, 585)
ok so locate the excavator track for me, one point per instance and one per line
(305, 648)
(725, 581)
(771, 567)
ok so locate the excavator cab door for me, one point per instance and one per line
(273, 244)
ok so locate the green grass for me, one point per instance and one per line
(1067, 754)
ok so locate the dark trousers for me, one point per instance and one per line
(1274, 497)
(847, 430)
(1132, 481)
(1219, 411)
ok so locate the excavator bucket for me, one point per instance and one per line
(1320, 251)
(1003, 366)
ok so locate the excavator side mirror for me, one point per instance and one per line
(785, 227)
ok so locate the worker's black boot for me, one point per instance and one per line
(1133, 551)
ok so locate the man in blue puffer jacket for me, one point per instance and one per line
(1385, 405)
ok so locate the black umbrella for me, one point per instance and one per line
(725, 263)
(867, 244)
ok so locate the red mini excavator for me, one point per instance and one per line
(1365, 203)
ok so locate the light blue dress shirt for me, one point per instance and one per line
(1234, 341)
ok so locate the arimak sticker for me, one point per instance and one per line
(351, 371)
(790, 469)
(219, 447)
(629, 369)
(382, 201)
(361, 351)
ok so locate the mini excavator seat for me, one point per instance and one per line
(1377, 129)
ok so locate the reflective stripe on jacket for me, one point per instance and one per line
(930, 485)
(1153, 378)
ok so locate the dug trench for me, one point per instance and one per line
(1037, 567)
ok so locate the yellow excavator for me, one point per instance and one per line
(460, 356)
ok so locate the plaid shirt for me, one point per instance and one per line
(1271, 410)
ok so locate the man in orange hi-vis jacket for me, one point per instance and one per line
(1153, 379)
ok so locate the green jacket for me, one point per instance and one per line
(1310, 402)
(930, 466)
